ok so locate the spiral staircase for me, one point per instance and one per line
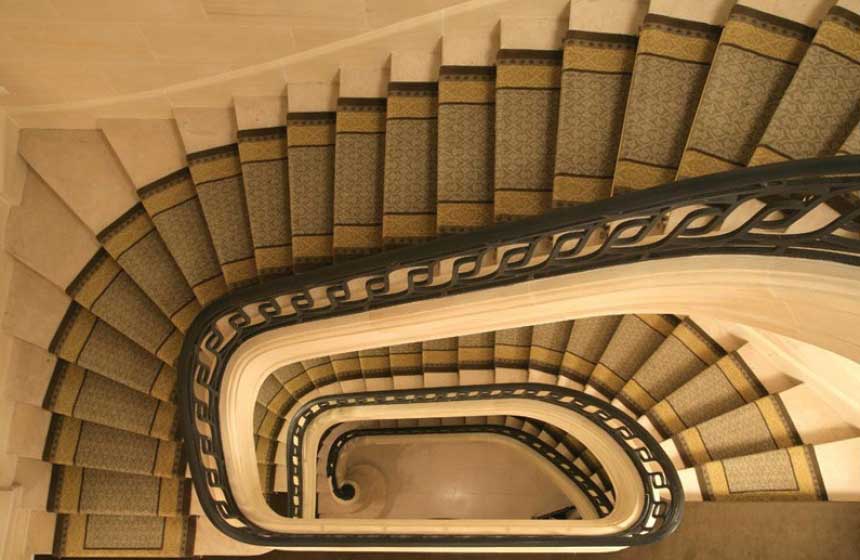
(609, 248)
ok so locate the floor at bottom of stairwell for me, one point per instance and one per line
(438, 479)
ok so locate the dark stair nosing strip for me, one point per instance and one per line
(214, 153)
(775, 23)
(511, 56)
(704, 30)
(598, 37)
(300, 117)
(262, 133)
(164, 182)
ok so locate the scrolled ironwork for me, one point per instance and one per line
(662, 493)
(568, 468)
(756, 211)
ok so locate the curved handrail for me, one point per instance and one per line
(620, 230)
(595, 495)
(662, 491)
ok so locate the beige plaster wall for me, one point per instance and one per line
(55, 51)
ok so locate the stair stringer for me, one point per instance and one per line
(834, 377)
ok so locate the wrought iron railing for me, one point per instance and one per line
(567, 467)
(749, 211)
(661, 487)
(597, 497)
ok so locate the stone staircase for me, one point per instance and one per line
(716, 403)
(126, 231)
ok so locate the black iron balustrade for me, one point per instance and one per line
(589, 489)
(663, 494)
(621, 230)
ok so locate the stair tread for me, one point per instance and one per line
(112, 295)
(153, 155)
(823, 92)
(673, 57)
(632, 343)
(76, 442)
(359, 165)
(410, 169)
(311, 123)
(597, 69)
(804, 472)
(527, 93)
(210, 139)
(547, 350)
(81, 535)
(83, 394)
(85, 340)
(466, 140)
(95, 491)
(792, 417)
(57, 156)
(682, 355)
(492, 128)
(754, 63)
